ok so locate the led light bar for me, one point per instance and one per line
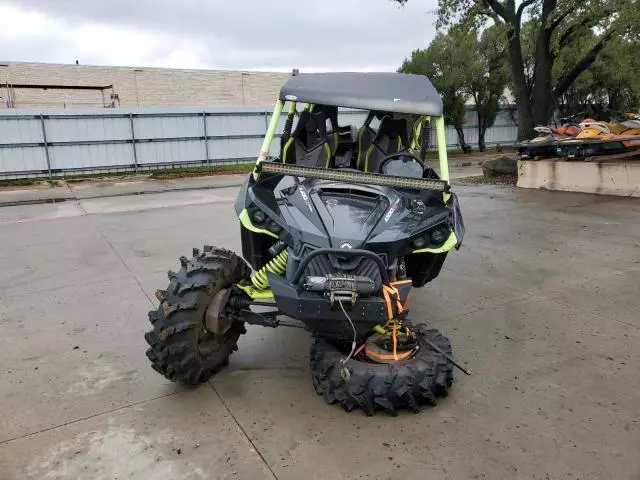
(350, 176)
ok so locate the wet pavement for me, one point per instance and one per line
(541, 303)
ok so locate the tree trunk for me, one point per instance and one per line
(482, 125)
(543, 101)
(520, 89)
(461, 141)
(481, 132)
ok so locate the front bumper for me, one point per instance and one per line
(316, 311)
(320, 317)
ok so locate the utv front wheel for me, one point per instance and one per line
(383, 386)
(181, 348)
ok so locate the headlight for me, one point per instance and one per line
(439, 235)
(274, 227)
(259, 216)
(419, 242)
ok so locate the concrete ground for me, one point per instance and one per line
(541, 303)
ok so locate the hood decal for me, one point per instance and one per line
(392, 209)
(305, 197)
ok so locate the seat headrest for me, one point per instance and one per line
(311, 128)
(330, 113)
(393, 128)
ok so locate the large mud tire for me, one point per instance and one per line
(181, 348)
(403, 384)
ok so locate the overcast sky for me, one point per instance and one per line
(240, 34)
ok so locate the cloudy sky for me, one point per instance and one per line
(240, 34)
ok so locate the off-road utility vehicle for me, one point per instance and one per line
(338, 227)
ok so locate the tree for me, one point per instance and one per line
(489, 75)
(446, 61)
(558, 24)
(607, 88)
(463, 67)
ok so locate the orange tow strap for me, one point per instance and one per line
(390, 292)
(395, 341)
(402, 282)
(382, 356)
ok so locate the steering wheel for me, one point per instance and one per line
(405, 154)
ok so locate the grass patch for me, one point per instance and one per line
(22, 182)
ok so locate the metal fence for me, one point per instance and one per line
(61, 142)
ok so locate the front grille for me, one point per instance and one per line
(322, 265)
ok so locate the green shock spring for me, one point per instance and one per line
(277, 265)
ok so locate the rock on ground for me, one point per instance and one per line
(499, 166)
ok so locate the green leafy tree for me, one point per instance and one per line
(558, 24)
(446, 61)
(488, 78)
(464, 67)
(608, 87)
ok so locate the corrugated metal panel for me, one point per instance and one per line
(20, 130)
(218, 125)
(499, 134)
(470, 136)
(90, 156)
(168, 127)
(168, 152)
(88, 129)
(502, 134)
(223, 149)
(22, 159)
(281, 122)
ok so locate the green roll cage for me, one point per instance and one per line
(279, 107)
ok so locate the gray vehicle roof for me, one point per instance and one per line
(389, 92)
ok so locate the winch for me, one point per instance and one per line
(340, 287)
